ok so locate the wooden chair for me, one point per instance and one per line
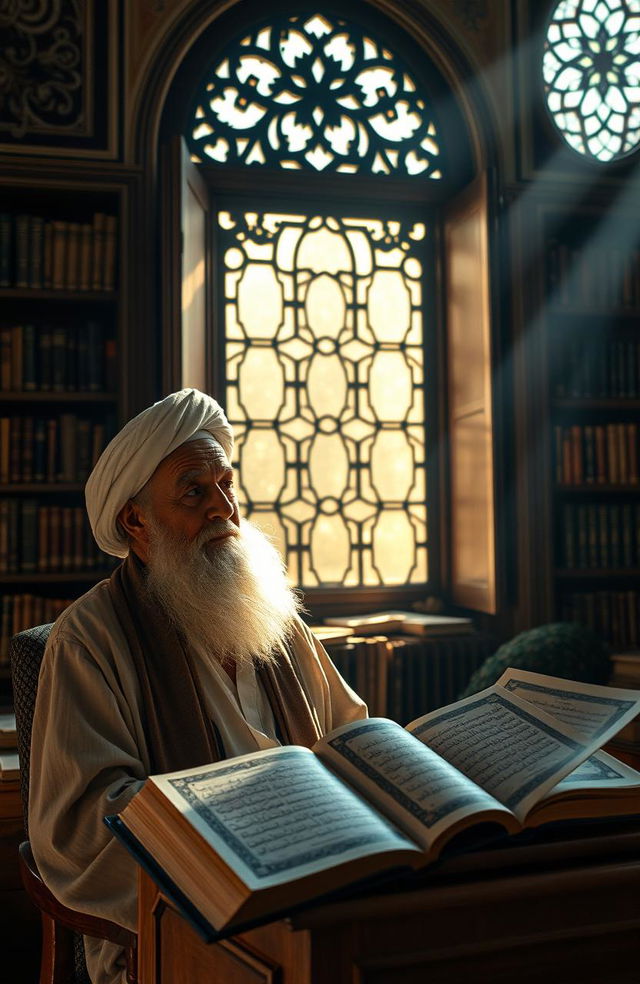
(62, 959)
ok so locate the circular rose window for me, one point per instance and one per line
(591, 70)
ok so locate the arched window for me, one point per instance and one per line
(319, 234)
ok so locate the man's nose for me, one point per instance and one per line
(220, 505)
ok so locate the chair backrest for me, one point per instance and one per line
(26, 650)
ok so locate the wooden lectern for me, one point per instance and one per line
(548, 911)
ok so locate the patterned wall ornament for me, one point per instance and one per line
(591, 71)
(58, 77)
(314, 92)
(41, 65)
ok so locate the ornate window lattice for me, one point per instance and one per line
(591, 69)
(316, 93)
(325, 390)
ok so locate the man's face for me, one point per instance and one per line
(193, 487)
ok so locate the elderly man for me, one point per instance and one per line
(191, 652)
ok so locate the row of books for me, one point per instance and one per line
(22, 611)
(57, 358)
(597, 454)
(401, 676)
(47, 539)
(613, 615)
(39, 252)
(50, 450)
(604, 276)
(600, 535)
(599, 368)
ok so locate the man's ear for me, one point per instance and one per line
(132, 520)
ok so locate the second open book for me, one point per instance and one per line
(262, 832)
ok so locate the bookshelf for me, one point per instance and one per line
(60, 385)
(590, 280)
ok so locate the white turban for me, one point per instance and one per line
(131, 458)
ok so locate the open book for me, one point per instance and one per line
(261, 833)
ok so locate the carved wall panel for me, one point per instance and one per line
(59, 77)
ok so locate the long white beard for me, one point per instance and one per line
(230, 597)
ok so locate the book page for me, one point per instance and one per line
(589, 710)
(601, 772)
(412, 785)
(278, 815)
(514, 750)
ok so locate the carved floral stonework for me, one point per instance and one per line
(42, 63)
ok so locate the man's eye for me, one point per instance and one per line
(192, 492)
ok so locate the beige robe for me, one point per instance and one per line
(89, 755)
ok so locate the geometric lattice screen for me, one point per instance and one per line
(591, 69)
(313, 92)
(325, 390)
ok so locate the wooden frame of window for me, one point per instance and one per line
(324, 189)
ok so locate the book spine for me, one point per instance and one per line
(39, 451)
(43, 539)
(66, 560)
(627, 535)
(45, 368)
(16, 358)
(5, 627)
(52, 450)
(47, 258)
(589, 455)
(55, 537)
(612, 454)
(110, 365)
(95, 357)
(36, 258)
(110, 235)
(6, 249)
(59, 359)
(623, 464)
(72, 256)
(71, 377)
(569, 540)
(601, 454)
(567, 457)
(22, 250)
(30, 535)
(83, 449)
(4, 536)
(603, 534)
(29, 361)
(59, 255)
(27, 448)
(86, 251)
(68, 452)
(14, 536)
(15, 453)
(97, 264)
(592, 536)
(583, 537)
(78, 539)
(614, 535)
(631, 435)
(5, 359)
(5, 445)
(577, 470)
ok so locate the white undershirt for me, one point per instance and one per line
(241, 711)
